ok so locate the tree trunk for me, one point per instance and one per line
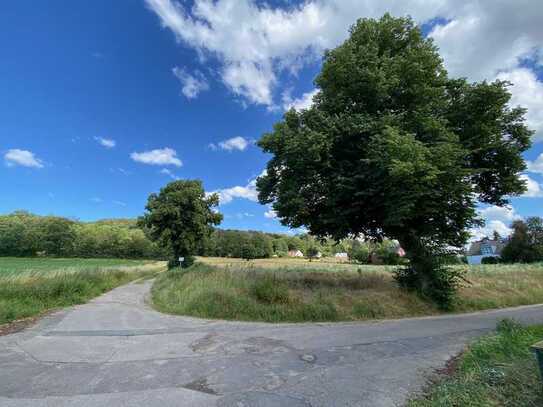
(420, 259)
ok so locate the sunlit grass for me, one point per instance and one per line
(497, 370)
(30, 287)
(296, 290)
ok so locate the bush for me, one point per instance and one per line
(270, 290)
(490, 260)
(432, 279)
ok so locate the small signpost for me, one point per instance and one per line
(181, 260)
(538, 350)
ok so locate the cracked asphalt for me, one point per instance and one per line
(117, 351)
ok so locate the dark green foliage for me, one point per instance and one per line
(526, 242)
(490, 260)
(429, 274)
(312, 252)
(271, 290)
(180, 218)
(393, 147)
(25, 234)
(248, 252)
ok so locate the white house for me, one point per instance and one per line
(484, 248)
(295, 253)
(341, 256)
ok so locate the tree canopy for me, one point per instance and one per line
(181, 217)
(392, 146)
(526, 243)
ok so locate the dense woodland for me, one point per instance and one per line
(26, 234)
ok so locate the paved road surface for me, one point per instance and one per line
(116, 351)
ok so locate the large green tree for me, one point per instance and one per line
(181, 217)
(394, 147)
(526, 242)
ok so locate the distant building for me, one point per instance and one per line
(342, 256)
(295, 253)
(485, 248)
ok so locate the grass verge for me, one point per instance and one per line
(497, 370)
(29, 294)
(327, 293)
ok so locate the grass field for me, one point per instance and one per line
(293, 290)
(33, 286)
(17, 266)
(497, 370)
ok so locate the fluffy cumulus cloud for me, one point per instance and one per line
(23, 158)
(496, 219)
(533, 188)
(527, 91)
(248, 191)
(501, 213)
(254, 42)
(303, 102)
(234, 143)
(536, 166)
(270, 214)
(164, 156)
(191, 85)
(227, 195)
(105, 142)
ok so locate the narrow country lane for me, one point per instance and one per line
(117, 351)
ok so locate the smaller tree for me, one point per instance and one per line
(248, 252)
(312, 252)
(180, 218)
(526, 243)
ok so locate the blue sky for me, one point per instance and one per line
(104, 102)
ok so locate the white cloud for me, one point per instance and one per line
(164, 156)
(527, 91)
(169, 173)
(106, 142)
(234, 143)
(496, 219)
(119, 203)
(23, 158)
(270, 214)
(489, 228)
(248, 191)
(96, 200)
(304, 102)
(535, 166)
(192, 85)
(254, 42)
(501, 213)
(534, 189)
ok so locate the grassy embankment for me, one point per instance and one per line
(295, 290)
(30, 287)
(497, 370)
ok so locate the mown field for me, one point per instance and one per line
(296, 290)
(32, 286)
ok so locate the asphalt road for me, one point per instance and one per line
(117, 351)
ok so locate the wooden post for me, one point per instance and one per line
(538, 350)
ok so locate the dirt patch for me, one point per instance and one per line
(17, 326)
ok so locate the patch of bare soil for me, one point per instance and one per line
(17, 326)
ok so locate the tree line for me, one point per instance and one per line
(26, 234)
(23, 234)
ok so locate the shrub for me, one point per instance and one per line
(270, 290)
(432, 278)
(490, 260)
